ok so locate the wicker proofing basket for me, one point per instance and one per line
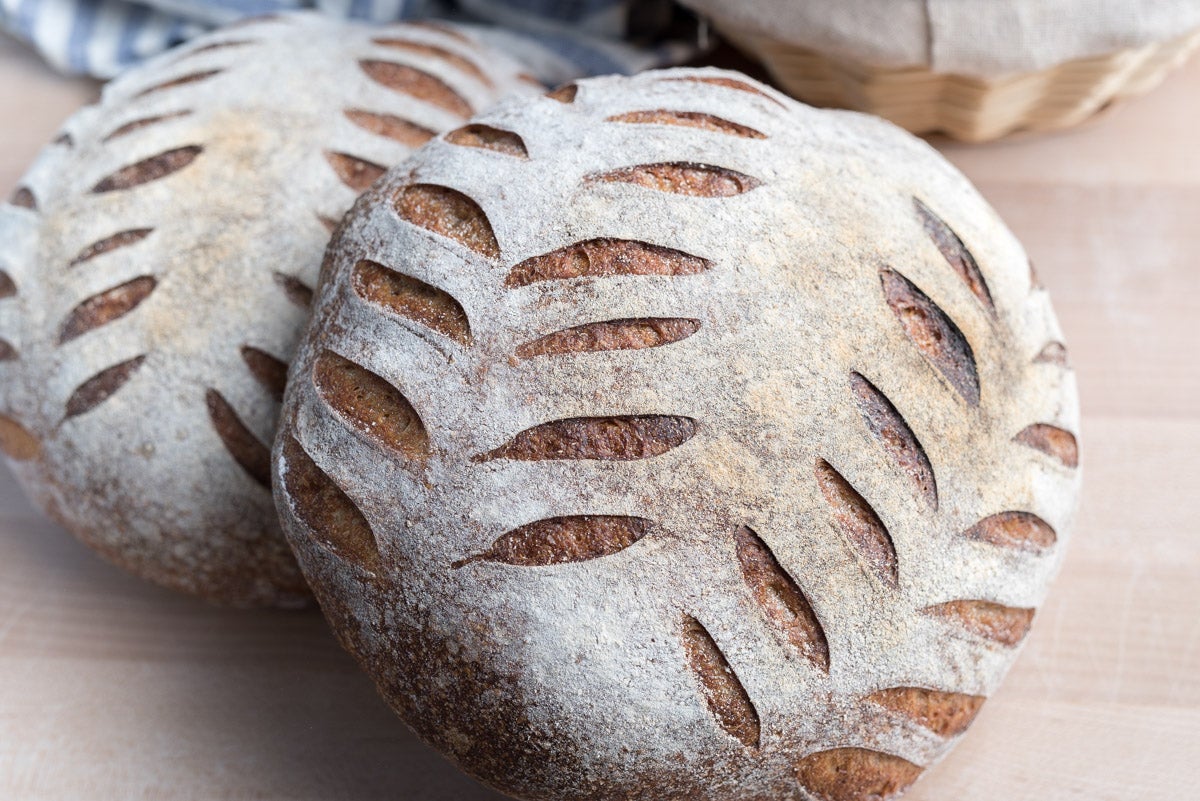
(966, 107)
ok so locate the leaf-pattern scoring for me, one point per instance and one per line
(1051, 440)
(896, 437)
(780, 597)
(934, 333)
(855, 774)
(17, 442)
(102, 386)
(370, 404)
(183, 80)
(556, 540)
(150, 169)
(861, 525)
(956, 253)
(105, 307)
(1005, 625)
(727, 699)
(404, 131)
(418, 84)
(110, 243)
(620, 438)
(411, 298)
(239, 441)
(946, 714)
(449, 213)
(333, 518)
(689, 119)
(1014, 530)
(143, 122)
(652, 332)
(489, 138)
(683, 178)
(602, 258)
(356, 173)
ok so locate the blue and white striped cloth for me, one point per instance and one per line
(558, 39)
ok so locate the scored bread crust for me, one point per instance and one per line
(158, 262)
(668, 438)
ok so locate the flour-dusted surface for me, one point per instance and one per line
(1103, 701)
(727, 559)
(159, 257)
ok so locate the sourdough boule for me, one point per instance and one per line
(663, 437)
(156, 269)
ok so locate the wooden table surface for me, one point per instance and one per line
(113, 689)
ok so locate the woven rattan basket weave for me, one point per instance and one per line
(966, 107)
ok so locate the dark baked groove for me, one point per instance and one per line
(689, 119)
(780, 598)
(1051, 440)
(558, 540)
(933, 333)
(728, 83)
(1054, 353)
(103, 308)
(1013, 530)
(144, 122)
(390, 126)
(7, 352)
(268, 371)
(955, 253)
(245, 448)
(415, 83)
(863, 529)
(16, 442)
(445, 30)
(564, 94)
(335, 521)
(356, 173)
(602, 258)
(727, 699)
(110, 243)
(411, 298)
(64, 139)
(632, 334)
(7, 287)
(855, 774)
(370, 405)
(489, 138)
(147, 170)
(296, 290)
(23, 197)
(183, 80)
(894, 434)
(617, 439)
(449, 56)
(683, 178)
(1006, 625)
(945, 714)
(102, 386)
(449, 213)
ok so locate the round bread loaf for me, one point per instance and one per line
(157, 268)
(663, 437)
